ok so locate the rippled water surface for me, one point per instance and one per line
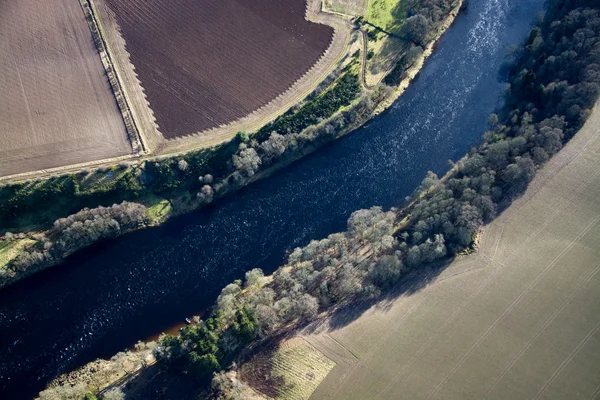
(107, 297)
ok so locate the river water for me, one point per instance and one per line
(107, 297)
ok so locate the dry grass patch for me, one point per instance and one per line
(116, 372)
(386, 51)
(292, 371)
(353, 8)
(10, 249)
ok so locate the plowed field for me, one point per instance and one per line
(518, 320)
(56, 106)
(205, 63)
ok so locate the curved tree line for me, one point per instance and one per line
(552, 88)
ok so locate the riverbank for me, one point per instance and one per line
(105, 298)
(415, 68)
(535, 272)
(367, 106)
(371, 256)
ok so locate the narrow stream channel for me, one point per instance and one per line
(107, 297)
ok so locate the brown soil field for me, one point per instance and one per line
(203, 64)
(56, 105)
(518, 320)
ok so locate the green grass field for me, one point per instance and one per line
(518, 320)
(387, 14)
(9, 250)
(159, 209)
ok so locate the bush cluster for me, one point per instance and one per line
(254, 155)
(323, 106)
(79, 230)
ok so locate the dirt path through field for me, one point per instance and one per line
(517, 320)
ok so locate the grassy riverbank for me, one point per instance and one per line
(175, 185)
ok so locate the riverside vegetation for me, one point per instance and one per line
(178, 184)
(552, 87)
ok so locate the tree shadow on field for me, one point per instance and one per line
(257, 365)
(161, 382)
(391, 51)
(413, 282)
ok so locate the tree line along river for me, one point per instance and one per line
(108, 296)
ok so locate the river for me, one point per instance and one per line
(112, 294)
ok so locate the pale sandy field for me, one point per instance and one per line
(518, 320)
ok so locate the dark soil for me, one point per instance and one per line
(204, 63)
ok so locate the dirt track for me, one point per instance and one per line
(56, 106)
(518, 320)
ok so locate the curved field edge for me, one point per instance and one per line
(535, 274)
(333, 57)
(138, 115)
(146, 120)
(161, 209)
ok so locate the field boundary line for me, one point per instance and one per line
(567, 360)
(510, 308)
(485, 261)
(398, 321)
(356, 365)
(484, 285)
(526, 199)
(424, 347)
(25, 99)
(595, 393)
(583, 281)
(132, 89)
(137, 143)
(342, 346)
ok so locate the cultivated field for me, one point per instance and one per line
(205, 64)
(518, 320)
(56, 106)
